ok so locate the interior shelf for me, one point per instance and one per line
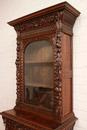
(39, 85)
(38, 62)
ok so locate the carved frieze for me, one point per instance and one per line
(36, 23)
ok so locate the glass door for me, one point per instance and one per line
(39, 74)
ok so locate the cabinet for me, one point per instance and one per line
(44, 70)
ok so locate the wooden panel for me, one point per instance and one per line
(67, 97)
(67, 74)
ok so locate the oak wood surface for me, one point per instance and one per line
(55, 25)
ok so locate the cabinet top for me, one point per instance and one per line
(58, 7)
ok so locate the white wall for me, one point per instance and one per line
(11, 9)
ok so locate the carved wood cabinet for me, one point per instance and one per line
(44, 70)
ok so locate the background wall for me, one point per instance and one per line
(12, 9)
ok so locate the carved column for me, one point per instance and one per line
(58, 67)
(19, 66)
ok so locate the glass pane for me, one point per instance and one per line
(39, 74)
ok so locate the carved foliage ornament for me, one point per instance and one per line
(58, 67)
(19, 72)
(37, 23)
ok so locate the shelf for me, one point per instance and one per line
(38, 62)
(39, 85)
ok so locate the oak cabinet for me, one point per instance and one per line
(44, 70)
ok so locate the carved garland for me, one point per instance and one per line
(22, 70)
(37, 23)
(58, 67)
(19, 73)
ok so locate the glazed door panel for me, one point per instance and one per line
(39, 74)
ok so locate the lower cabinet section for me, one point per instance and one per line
(17, 120)
(13, 125)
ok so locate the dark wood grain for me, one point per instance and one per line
(54, 24)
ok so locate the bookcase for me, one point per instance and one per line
(44, 70)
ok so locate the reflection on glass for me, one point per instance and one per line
(39, 74)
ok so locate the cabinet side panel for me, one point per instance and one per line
(67, 74)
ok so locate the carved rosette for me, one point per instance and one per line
(58, 67)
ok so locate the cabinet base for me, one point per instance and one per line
(17, 121)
